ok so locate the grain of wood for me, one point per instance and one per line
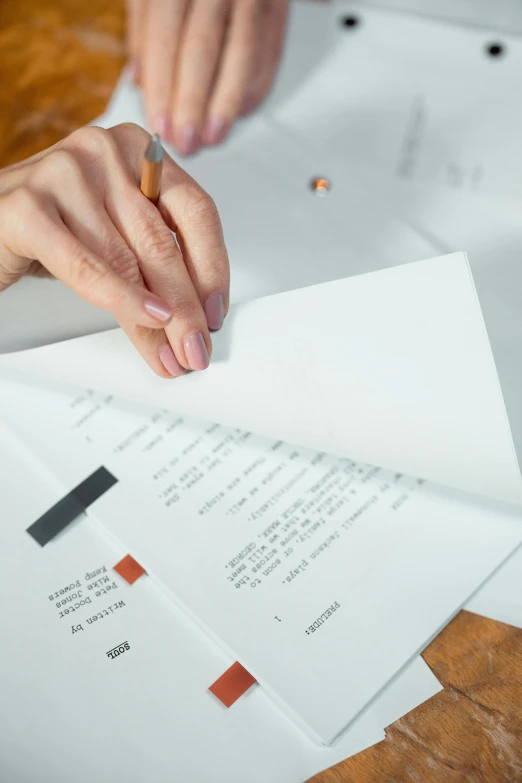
(471, 732)
(59, 62)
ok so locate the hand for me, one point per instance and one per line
(203, 63)
(75, 211)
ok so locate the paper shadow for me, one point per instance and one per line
(222, 341)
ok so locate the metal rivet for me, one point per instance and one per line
(320, 185)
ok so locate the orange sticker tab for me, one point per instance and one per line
(232, 684)
(129, 569)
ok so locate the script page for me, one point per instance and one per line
(109, 680)
(321, 575)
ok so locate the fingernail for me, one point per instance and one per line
(158, 310)
(215, 311)
(216, 131)
(249, 104)
(135, 70)
(186, 140)
(170, 362)
(161, 126)
(196, 352)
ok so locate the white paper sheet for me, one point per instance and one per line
(417, 99)
(491, 231)
(394, 369)
(502, 15)
(501, 597)
(146, 714)
(306, 531)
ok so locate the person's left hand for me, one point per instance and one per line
(203, 63)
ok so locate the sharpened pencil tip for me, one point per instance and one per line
(154, 152)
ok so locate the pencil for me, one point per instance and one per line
(151, 171)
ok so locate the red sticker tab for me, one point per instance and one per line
(232, 684)
(129, 569)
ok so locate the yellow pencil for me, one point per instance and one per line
(151, 171)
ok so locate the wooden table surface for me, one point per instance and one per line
(59, 62)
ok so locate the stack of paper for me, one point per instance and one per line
(147, 711)
(323, 499)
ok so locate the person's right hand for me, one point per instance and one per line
(75, 211)
(203, 63)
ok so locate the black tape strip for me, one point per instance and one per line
(71, 506)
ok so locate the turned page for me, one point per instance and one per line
(393, 368)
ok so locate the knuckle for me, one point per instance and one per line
(25, 201)
(132, 131)
(88, 273)
(119, 257)
(127, 136)
(94, 140)
(201, 210)
(60, 163)
(132, 128)
(156, 241)
(122, 261)
(185, 310)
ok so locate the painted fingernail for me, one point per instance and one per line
(187, 140)
(215, 311)
(158, 310)
(161, 126)
(170, 363)
(216, 131)
(196, 352)
(135, 70)
(249, 104)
